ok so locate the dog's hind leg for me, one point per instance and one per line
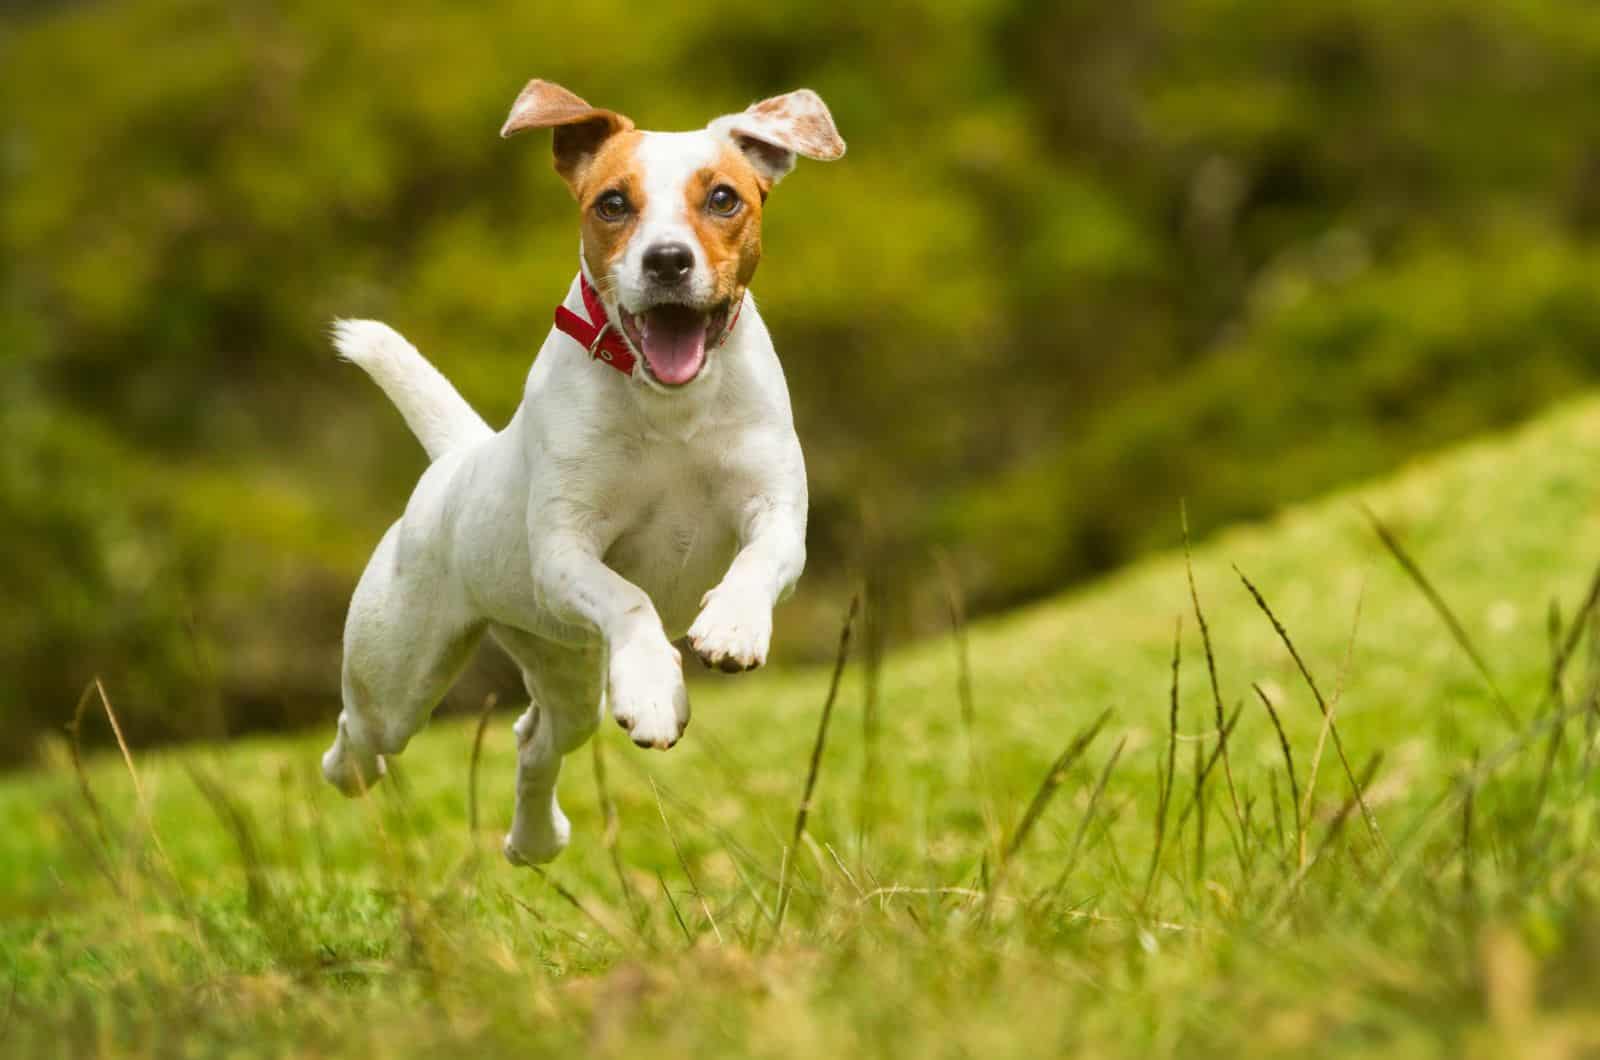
(564, 685)
(539, 830)
(406, 639)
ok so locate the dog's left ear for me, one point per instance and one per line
(771, 133)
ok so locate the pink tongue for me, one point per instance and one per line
(674, 342)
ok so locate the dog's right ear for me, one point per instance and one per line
(579, 128)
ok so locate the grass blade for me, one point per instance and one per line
(683, 863)
(1165, 798)
(1048, 787)
(815, 767)
(1322, 705)
(1211, 669)
(969, 715)
(1288, 765)
(1204, 772)
(571, 899)
(1457, 631)
(1089, 812)
(1051, 782)
(688, 937)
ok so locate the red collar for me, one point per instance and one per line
(605, 342)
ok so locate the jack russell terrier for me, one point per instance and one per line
(649, 485)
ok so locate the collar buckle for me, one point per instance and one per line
(595, 334)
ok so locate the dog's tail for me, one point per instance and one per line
(438, 415)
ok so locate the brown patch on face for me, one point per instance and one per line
(614, 167)
(732, 243)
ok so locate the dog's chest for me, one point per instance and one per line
(678, 536)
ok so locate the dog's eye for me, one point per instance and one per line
(612, 206)
(723, 200)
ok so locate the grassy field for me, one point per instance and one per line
(979, 875)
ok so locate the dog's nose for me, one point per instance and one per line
(668, 262)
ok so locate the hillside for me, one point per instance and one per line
(256, 910)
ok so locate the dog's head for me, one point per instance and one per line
(671, 222)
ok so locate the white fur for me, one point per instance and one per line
(667, 161)
(610, 516)
(436, 414)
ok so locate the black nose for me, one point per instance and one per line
(668, 262)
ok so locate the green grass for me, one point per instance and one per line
(272, 916)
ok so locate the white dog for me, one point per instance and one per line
(650, 483)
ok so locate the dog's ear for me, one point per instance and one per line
(771, 133)
(579, 128)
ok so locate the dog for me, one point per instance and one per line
(650, 485)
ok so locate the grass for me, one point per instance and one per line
(1019, 842)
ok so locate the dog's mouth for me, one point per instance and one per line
(674, 338)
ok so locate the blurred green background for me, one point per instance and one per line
(1082, 260)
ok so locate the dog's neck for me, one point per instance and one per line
(678, 412)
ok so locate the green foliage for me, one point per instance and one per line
(1336, 367)
(1082, 260)
(227, 902)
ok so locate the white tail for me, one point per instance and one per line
(438, 415)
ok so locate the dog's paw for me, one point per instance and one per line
(646, 691)
(351, 772)
(732, 631)
(537, 843)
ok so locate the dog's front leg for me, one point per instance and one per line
(644, 672)
(734, 627)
